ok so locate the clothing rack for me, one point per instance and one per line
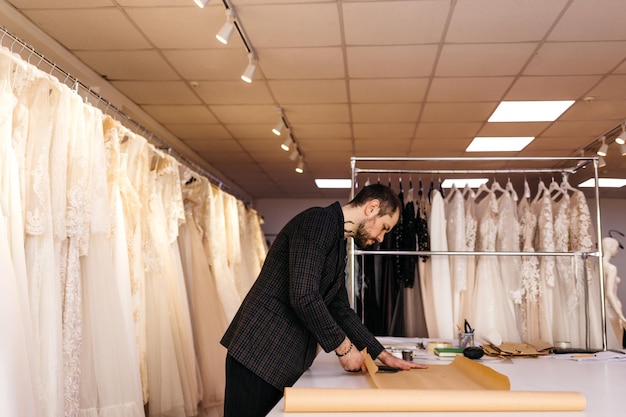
(74, 83)
(570, 165)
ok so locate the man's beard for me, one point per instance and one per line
(361, 237)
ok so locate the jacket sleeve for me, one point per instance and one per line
(347, 318)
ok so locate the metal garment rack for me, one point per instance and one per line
(577, 162)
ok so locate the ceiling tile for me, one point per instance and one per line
(395, 61)
(502, 21)
(448, 129)
(612, 87)
(394, 22)
(551, 88)
(403, 90)
(576, 58)
(329, 146)
(197, 114)
(198, 131)
(253, 131)
(245, 113)
(439, 147)
(483, 59)
(382, 131)
(576, 25)
(469, 89)
(129, 65)
(180, 27)
(457, 112)
(512, 129)
(89, 29)
(157, 92)
(380, 147)
(289, 25)
(233, 92)
(596, 110)
(316, 113)
(60, 4)
(208, 64)
(309, 91)
(213, 145)
(261, 145)
(301, 63)
(591, 129)
(324, 130)
(385, 113)
(553, 146)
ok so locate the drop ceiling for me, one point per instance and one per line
(415, 78)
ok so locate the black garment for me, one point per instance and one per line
(247, 395)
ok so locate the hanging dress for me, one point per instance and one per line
(491, 312)
(529, 291)
(544, 242)
(203, 302)
(455, 229)
(439, 286)
(507, 240)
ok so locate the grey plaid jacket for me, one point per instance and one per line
(298, 300)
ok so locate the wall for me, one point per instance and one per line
(277, 212)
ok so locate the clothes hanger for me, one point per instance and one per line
(509, 187)
(495, 186)
(526, 189)
(468, 192)
(555, 190)
(541, 189)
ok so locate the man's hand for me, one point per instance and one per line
(390, 360)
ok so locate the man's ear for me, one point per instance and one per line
(372, 208)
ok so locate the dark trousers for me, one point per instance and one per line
(247, 395)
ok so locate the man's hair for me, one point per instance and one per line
(389, 201)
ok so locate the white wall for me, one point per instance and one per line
(277, 212)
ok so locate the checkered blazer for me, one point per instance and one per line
(298, 300)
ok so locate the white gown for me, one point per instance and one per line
(507, 240)
(439, 286)
(491, 311)
(19, 373)
(529, 309)
(455, 230)
(203, 302)
(544, 242)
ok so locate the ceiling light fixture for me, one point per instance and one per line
(529, 111)
(201, 3)
(603, 148)
(227, 28)
(621, 138)
(604, 183)
(300, 167)
(462, 182)
(287, 144)
(601, 162)
(294, 154)
(499, 144)
(249, 71)
(622, 149)
(278, 129)
(333, 183)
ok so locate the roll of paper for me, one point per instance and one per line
(314, 400)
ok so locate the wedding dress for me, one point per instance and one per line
(455, 230)
(529, 293)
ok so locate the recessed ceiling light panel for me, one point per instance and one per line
(333, 183)
(604, 183)
(530, 111)
(499, 144)
(462, 182)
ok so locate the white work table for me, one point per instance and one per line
(603, 383)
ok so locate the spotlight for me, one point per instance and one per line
(227, 28)
(287, 144)
(294, 154)
(603, 148)
(249, 71)
(621, 138)
(278, 129)
(300, 167)
(622, 149)
(202, 3)
(601, 162)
